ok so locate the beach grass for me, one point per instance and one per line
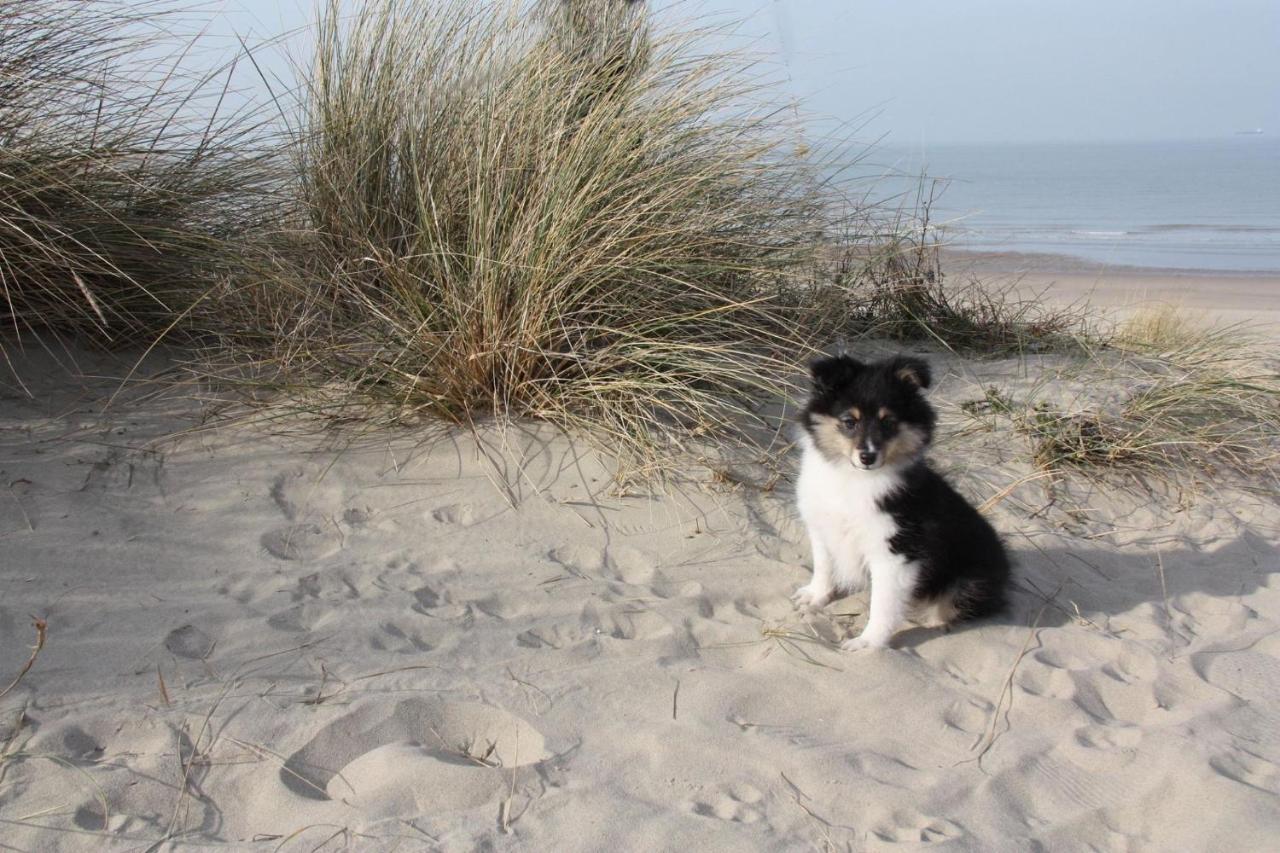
(124, 180)
(579, 219)
(1197, 399)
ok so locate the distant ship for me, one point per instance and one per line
(1257, 131)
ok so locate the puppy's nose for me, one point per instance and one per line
(867, 457)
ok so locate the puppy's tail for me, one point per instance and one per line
(979, 598)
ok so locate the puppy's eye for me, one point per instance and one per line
(888, 421)
(848, 422)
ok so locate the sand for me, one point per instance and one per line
(1119, 291)
(262, 637)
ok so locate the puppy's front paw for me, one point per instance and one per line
(812, 596)
(857, 644)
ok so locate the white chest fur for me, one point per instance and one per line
(839, 505)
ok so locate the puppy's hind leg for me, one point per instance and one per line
(893, 581)
(821, 588)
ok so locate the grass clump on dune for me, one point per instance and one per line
(1203, 398)
(120, 181)
(886, 278)
(576, 219)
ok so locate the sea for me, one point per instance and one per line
(1195, 205)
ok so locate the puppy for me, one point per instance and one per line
(873, 506)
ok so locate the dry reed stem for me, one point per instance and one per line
(42, 629)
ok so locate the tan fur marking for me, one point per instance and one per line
(884, 413)
(830, 441)
(856, 412)
(908, 374)
(946, 610)
(907, 443)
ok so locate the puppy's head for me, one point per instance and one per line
(869, 415)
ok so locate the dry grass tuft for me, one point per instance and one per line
(1195, 398)
(121, 178)
(884, 278)
(579, 219)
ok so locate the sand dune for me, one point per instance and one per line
(261, 637)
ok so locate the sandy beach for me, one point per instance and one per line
(398, 437)
(1117, 291)
(259, 637)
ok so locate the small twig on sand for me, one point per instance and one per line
(534, 687)
(505, 811)
(675, 697)
(1006, 690)
(800, 796)
(186, 766)
(324, 679)
(30, 527)
(164, 691)
(42, 629)
(1164, 589)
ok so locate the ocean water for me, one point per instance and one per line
(1209, 205)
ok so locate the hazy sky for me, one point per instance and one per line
(927, 72)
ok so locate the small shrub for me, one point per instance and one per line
(884, 278)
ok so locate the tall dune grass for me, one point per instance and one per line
(578, 219)
(121, 180)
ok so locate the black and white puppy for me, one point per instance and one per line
(873, 506)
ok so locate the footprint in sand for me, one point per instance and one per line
(428, 597)
(629, 565)
(392, 638)
(581, 560)
(1108, 738)
(414, 757)
(503, 605)
(317, 598)
(327, 585)
(306, 616)
(1248, 768)
(1250, 675)
(302, 542)
(189, 642)
(358, 516)
(968, 716)
(617, 563)
(890, 771)
(306, 495)
(462, 515)
(560, 636)
(910, 827)
(741, 803)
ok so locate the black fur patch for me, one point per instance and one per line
(959, 553)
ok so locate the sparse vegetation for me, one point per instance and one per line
(1178, 398)
(1204, 397)
(884, 278)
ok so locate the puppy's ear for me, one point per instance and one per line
(830, 372)
(913, 371)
